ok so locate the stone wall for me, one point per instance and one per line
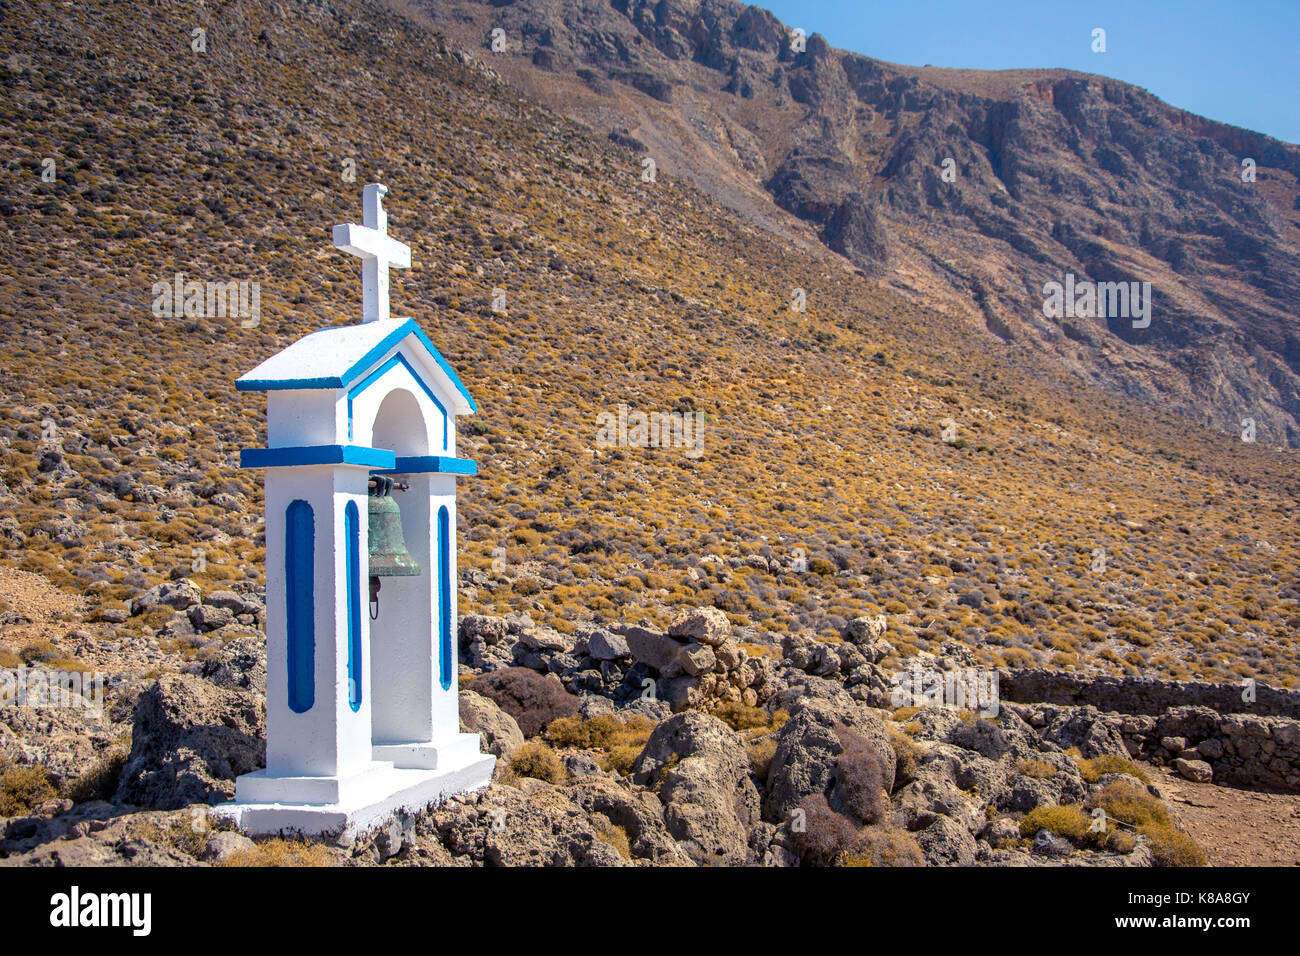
(1142, 695)
(1242, 749)
(1201, 729)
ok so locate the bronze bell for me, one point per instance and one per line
(386, 544)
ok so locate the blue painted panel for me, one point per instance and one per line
(398, 359)
(446, 660)
(425, 464)
(300, 606)
(352, 543)
(317, 455)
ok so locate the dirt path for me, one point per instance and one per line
(1234, 827)
(32, 609)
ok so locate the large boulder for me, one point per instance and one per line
(807, 750)
(1085, 728)
(699, 767)
(503, 826)
(239, 665)
(481, 715)
(190, 741)
(655, 650)
(945, 842)
(604, 646)
(868, 635)
(638, 812)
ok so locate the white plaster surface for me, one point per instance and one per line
(334, 769)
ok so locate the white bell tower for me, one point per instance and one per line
(362, 714)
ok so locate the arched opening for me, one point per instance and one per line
(400, 426)
(403, 639)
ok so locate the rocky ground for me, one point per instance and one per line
(707, 744)
(1236, 827)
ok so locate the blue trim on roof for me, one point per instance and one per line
(277, 384)
(409, 327)
(317, 455)
(425, 464)
(377, 374)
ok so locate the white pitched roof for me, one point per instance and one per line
(333, 358)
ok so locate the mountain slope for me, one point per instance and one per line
(825, 488)
(1053, 173)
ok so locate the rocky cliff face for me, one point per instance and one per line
(970, 189)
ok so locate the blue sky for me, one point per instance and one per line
(1234, 62)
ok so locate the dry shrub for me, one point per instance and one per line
(760, 753)
(740, 717)
(45, 654)
(100, 781)
(532, 699)
(280, 852)
(883, 845)
(824, 835)
(619, 741)
(1092, 770)
(1068, 821)
(600, 733)
(616, 837)
(1172, 847)
(1130, 803)
(1074, 823)
(536, 759)
(909, 756)
(23, 789)
(621, 759)
(857, 781)
(1035, 767)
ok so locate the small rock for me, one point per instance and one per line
(180, 595)
(604, 646)
(228, 600)
(1212, 748)
(1197, 771)
(708, 625)
(1002, 833)
(205, 617)
(697, 659)
(1047, 843)
(581, 764)
(223, 844)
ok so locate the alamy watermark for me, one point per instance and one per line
(1093, 300)
(39, 687)
(629, 429)
(239, 299)
(968, 688)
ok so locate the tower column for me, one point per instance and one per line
(318, 697)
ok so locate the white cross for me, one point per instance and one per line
(378, 252)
